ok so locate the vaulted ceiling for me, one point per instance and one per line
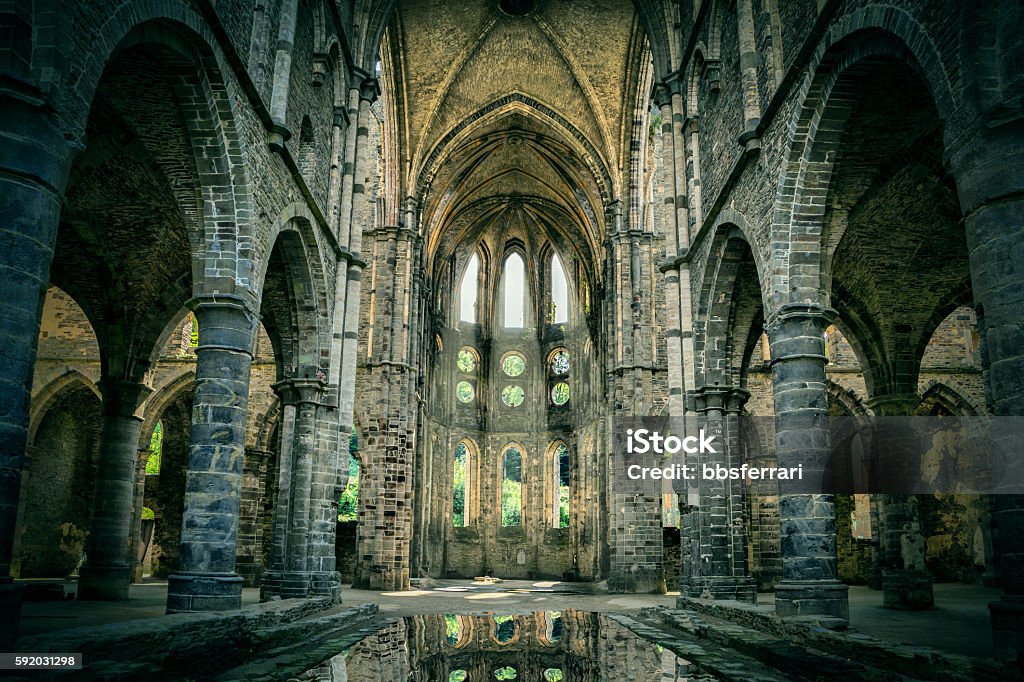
(493, 105)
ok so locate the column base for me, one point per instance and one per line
(104, 583)
(251, 574)
(1007, 616)
(300, 585)
(907, 590)
(11, 597)
(197, 592)
(875, 578)
(636, 582)
(812, 598)
(735, 588)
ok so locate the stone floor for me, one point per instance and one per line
(959, 623)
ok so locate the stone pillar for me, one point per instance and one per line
(250, 517)
(35, 158)
(905, 580)
(988, 165)
(388, 455)
(635, 535)
(807, 521)
(108, 571)
(206, 578)
(720, 570)
(142, 456)
(290, 574)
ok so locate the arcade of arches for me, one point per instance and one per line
(303, 293)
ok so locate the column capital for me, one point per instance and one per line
(122, 398)
(340, 117)
(728, 399)
(663, 91)
(226, 322)
(369, 90)
(318, 72)
(299, 390)
(791, 313)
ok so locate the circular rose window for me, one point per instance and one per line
(466, 361)
(513, 364)
(560, 362)
(464, 391)
(513, 396)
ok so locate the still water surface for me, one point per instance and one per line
(551, 646)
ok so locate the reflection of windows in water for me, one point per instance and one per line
(556, 627)
(506, 673)
(553, 675)
(504, 630)
(457, 676)
(453, 631)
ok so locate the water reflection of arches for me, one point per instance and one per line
(545, 647)
(505, 630)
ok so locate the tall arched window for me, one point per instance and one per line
(461, 461)
(512, 487)
(560, 486)
(156, 449)
(514, 283)
(468, 290)
(559, 291)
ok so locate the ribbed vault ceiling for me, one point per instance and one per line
(494, 116)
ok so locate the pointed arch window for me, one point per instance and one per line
(559, 292)
(561, 476)
(461, 465)
(514, 287)
(512, 487)
(156, 448)
(468, 291)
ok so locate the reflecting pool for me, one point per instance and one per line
(551, 646)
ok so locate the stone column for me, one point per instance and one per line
(988, 165)
(290, 574)
(807, 521)
(250, 517)
(206, 578)
(35, 158)
(108, 571)
(720, 571)
(388, 454)
(141, 457)
(905, 580)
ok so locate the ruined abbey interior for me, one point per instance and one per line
(320, 317)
